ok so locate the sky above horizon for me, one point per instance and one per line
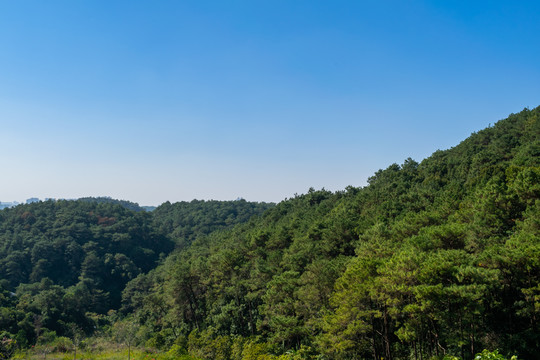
(154, 101)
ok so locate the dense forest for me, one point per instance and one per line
(430, 260)
(65, 263)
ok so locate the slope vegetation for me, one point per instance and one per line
(431, 258)
(66, 263)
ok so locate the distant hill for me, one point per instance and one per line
(100, 245)
(185, 221)
(74, 257)
(4, 205)
(108, 200)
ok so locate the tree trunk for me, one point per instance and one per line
(472, 338)
(386, 336)
(373, 344)
(461, 335)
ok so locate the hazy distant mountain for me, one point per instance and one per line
(4, 205)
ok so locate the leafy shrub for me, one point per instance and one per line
(62, 344)
(492, 355)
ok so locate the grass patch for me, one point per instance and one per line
(97, 349)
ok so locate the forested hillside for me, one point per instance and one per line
(185, 221)
(108, 200)
(430, 259)
(65, 263)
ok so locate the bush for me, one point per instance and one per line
(492, 355)
(7, 346)
(62, 344)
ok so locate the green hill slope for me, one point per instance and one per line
(185, 221)
(431, 258)
(67, 262)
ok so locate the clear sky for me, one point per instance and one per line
(162, 100)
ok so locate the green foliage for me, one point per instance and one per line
(62, 344)
(67, 262)
(431, 260)
(7, 345)
(185, 221)
(107, 200)
(492, 355)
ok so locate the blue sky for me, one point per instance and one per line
(152, 101)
